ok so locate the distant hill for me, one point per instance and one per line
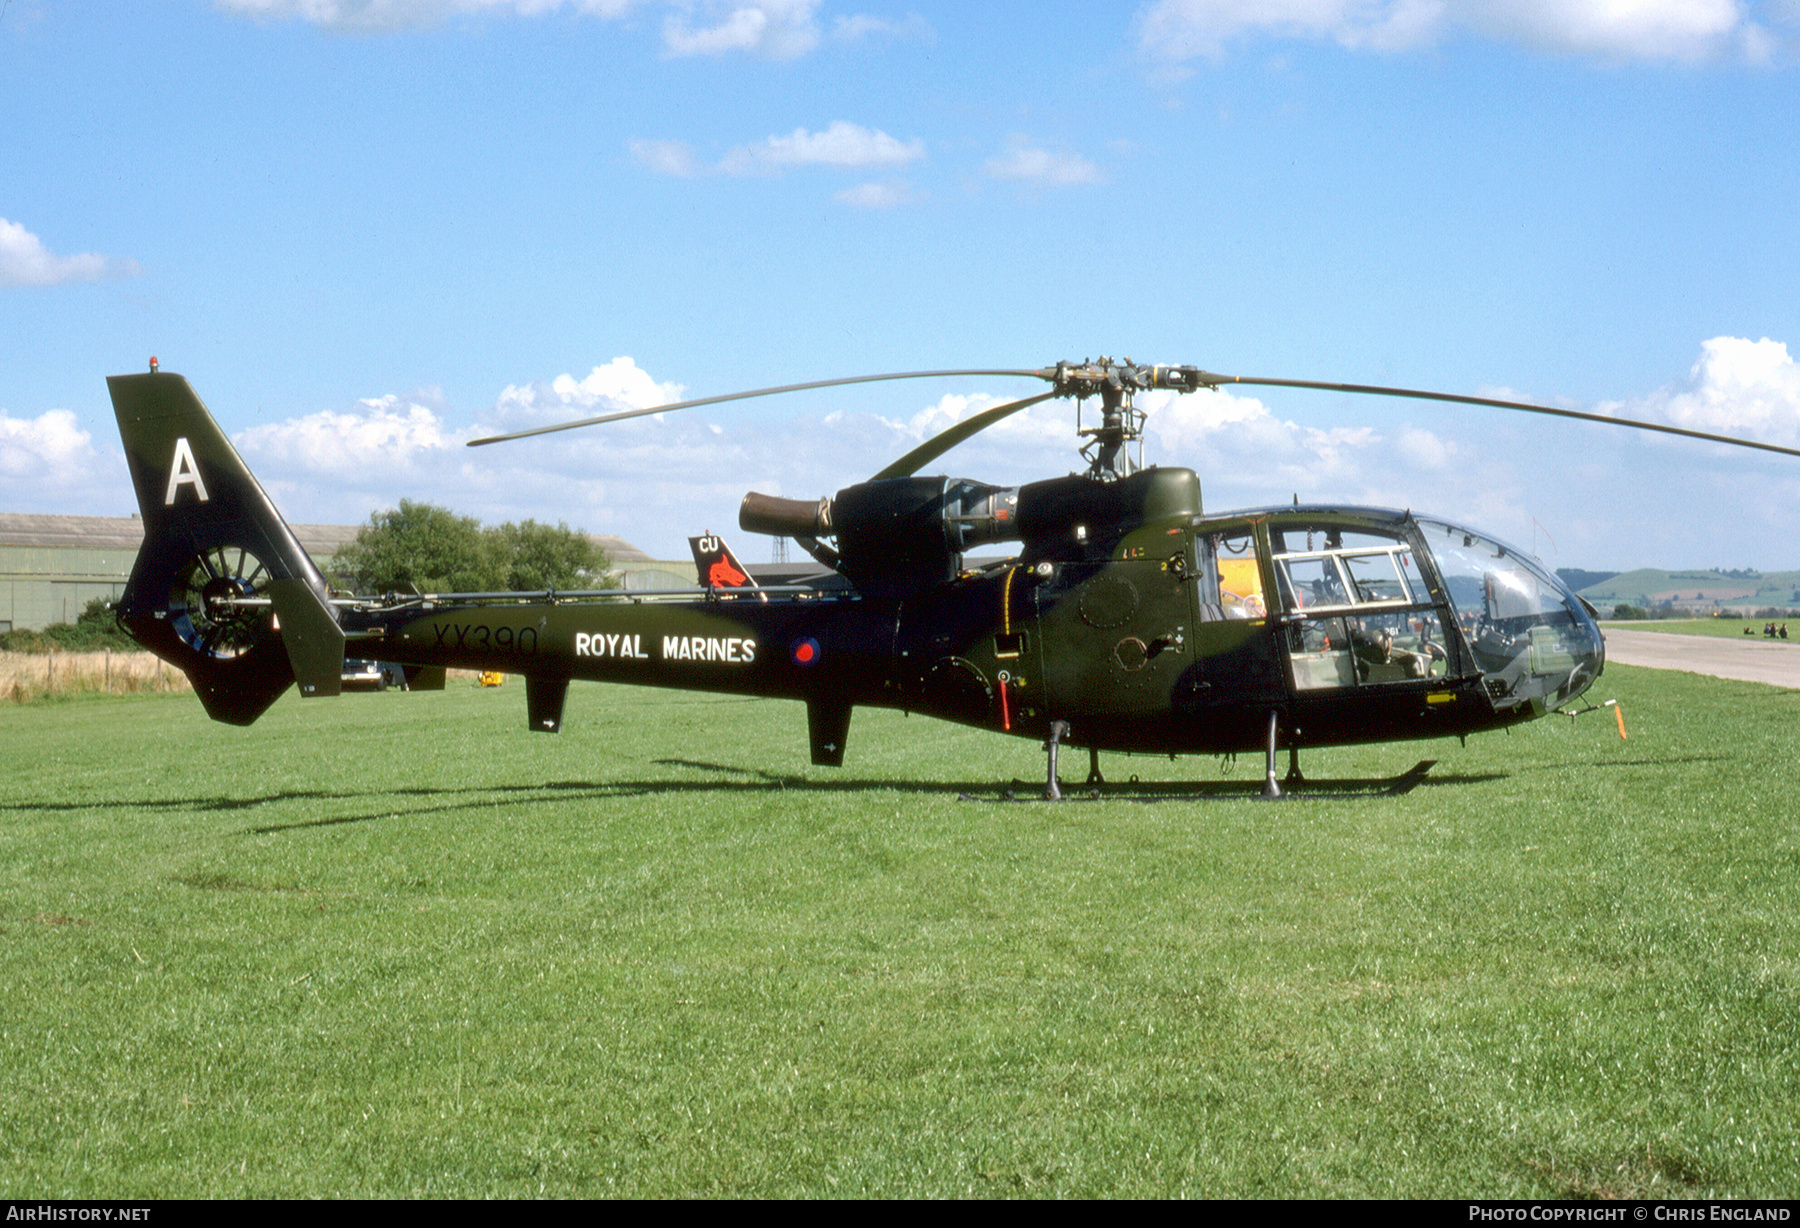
(1695, 590)
(1578, 579)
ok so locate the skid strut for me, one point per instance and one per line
(1058, 731)
(1271, 790)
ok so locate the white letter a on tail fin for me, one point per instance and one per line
(183, 471)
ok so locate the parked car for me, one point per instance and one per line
(362, 675)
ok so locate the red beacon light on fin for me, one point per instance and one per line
(153, 364)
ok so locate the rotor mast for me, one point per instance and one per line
(1108, 447)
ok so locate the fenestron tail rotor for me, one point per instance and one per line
(203, 601)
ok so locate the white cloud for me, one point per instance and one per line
(1176, 30)
(874, 195)
(842, 144)
(620, 384)
(862, 27)
(1025, 162)
(1738, 387)
(772, 29)
(1173, 31)
(665, 157)
(775, 29)
(1624, 29)
(1039, 426)
(336, 467)
(1425, 449)
(1248, 456)
(370, 16)
(50, 445)
(1583, 495)
(25, 261)
(383, 435)
(49, 464)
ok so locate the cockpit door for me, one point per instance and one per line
(1356, 609)
(1235, 659)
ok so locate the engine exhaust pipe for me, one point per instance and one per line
(775, 517)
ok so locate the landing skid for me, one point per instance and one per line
(1224, 790)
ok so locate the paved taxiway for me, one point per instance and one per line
(1749, 659)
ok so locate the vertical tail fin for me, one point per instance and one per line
(222, 589)
(717, 566)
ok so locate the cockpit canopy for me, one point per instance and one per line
(1364, 597)
(1532, 638)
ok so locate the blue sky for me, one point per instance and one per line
(367, 231)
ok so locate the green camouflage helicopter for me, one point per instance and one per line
(1128, 620)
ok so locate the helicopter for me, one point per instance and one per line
(1127, 619)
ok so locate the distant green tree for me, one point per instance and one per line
(436, 551)
(94, 629)
(540, 556)
(1629, 613)
(431, 548)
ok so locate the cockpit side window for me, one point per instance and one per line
(1231, 576)
(1355, 607)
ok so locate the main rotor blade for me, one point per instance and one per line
(737, 396)
(1212, 380)
(943, 441)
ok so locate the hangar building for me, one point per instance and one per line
(52, 566)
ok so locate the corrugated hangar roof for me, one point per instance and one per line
(127, 533)
(100, 532)
(618, 549)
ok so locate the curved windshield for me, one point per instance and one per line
(1530, 636)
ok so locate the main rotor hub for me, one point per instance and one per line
(1121, 424)
(1094, 376)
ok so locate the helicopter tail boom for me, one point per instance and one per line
(222, 589)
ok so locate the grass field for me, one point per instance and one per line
(1729, 628)
(394, 944)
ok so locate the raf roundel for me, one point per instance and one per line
(804, 652)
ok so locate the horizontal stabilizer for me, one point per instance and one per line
(311, 635)
(544, 703)
(827, 725)
(425, 677)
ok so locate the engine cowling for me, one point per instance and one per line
(897, 536)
